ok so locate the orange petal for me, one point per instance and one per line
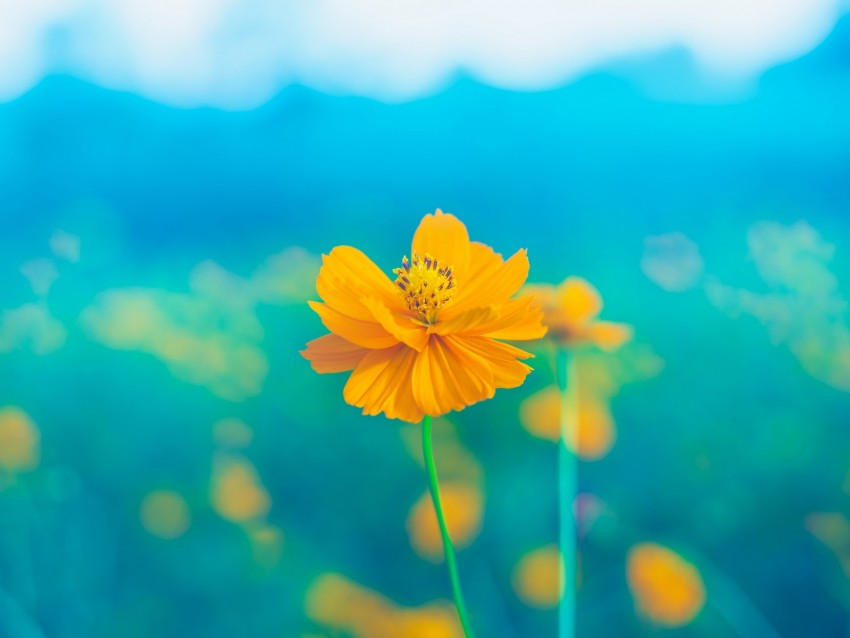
(400, 326)
(332, 353)
(445, 237)
(500, 358)
(381, 382)
(368, 334)
(516, 320)
(493, 284)
(447, 378)
(347, 277)
(608, 335)
(464, 322)
(578, 300)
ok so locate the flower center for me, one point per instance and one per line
(425, 286)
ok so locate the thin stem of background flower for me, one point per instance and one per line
(448, 548)
(567, 487)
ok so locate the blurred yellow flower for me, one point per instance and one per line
(164, 513)
(236, 492)
(540, 414)
(570, 311)
(20, 441)
(338, 603)
(833, 530)
(232, 433)
(463, 507)
(538, 577)
(431, 341)
(267, 544)
(666, 588)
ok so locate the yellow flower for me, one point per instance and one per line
(667, 589)
(570, 311)
(430, 341)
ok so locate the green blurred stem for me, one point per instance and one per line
(448, 548)
(567, 488)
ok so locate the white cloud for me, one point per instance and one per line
(237, 53)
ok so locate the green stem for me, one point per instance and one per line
(567, 488)
(448, 548)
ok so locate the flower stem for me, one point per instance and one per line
(567, 487)
(448, 548)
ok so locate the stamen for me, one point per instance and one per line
(426, 286)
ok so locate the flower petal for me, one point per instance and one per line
(382, 382)
(500, 358)
(332, 353)
(348, 276)
(608, 335)
(447, 378)
(401, 327)
(368, 334)
(445, 237)
(516, 320)
(492, 282)
(578, 300)
(464, 322)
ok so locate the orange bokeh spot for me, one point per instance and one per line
(540, 414)
(463, 507)
(666, 588)
(237, 493)
(537, 578)
(343, 605)
(20, 441)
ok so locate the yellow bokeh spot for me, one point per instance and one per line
(237, 493)
(164, 513)
(267, 544)
(428, 622)
(833, 530)
(20, 441)
(538, 577)
(232, 433)
(345, 606)
(540, 414)
(463, 507)
(667, 589)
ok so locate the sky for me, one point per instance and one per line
(237, 54)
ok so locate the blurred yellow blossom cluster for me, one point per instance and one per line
(598, 377)
(802, 307)
(342, 605)
(32, 325)
(571, 311)
(237, 493)
(211, 335)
